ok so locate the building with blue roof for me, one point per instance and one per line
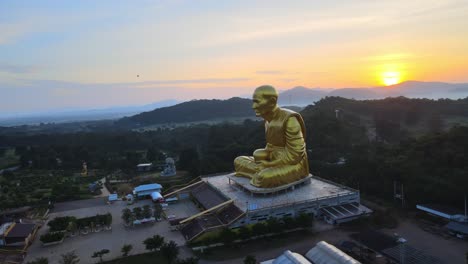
(147, 189)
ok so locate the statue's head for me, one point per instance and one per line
(264, 99)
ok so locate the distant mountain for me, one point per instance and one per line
(80, 115)
(192, 111)
(430, 90)
(301, 96)
(355, 93)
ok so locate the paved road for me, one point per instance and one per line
(79, 204)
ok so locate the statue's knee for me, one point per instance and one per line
(239, 159)
(260, 154)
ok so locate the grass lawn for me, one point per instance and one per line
(146, 258)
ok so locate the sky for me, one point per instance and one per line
(62, 55)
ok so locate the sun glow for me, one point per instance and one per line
(391, 78)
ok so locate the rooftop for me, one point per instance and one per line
(442, 208)
(288, 257)
(21, 230)
(4, 227)
(147, 187)
(318, 189)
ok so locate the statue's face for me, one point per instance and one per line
(262, 105)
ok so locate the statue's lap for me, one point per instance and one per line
(269, 177)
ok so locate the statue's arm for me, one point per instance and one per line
(295, 145)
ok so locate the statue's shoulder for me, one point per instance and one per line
(288, 113)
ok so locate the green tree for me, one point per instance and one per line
(250, 260)
(153, 243)
(39, 261)
(170, 251)
(227, 236)
(259, 229)
(304, 220)
(138, 213)
(151, 154)
(127, 216)
(157, 210)
(147, 211)
(69, 258)
(99, 254)
(189, 160)
(288, 222)
(244, 232)
(126, 248)
(274, 226)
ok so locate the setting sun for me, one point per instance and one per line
(390, 78)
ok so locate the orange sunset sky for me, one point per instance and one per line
(82, 54)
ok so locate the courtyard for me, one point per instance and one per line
(85, 245)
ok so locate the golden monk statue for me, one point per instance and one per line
(284, 159)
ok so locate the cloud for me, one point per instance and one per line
(193, 81)
(288, 80)
(274, 31)
(391, 57)
(13, 31)
(270, 72)
(30, 95)
(17, 69)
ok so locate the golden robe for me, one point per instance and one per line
(285, 148)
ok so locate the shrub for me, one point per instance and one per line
(60, 223)
(52, 237)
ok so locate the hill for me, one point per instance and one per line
(78, 115)
(192, 111)
(411, 89)
(394, 118)
(301, 96)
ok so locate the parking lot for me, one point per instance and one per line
(84, 246)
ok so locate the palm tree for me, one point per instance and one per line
(69, 258)
(170, 251)
(127, 216)
(153, 243)
(157, 211)
(126, 249)
(146, 211)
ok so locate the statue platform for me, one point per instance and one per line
(310, 190)
(245, 184)
(230, 201)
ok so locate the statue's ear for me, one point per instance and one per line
(273, 100)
